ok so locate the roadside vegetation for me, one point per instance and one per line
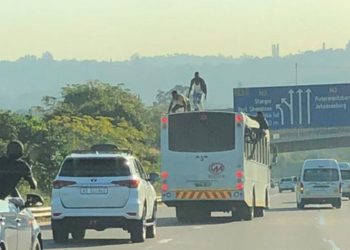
(97, 112)
(86, 114)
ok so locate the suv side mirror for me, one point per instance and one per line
(34, 200)
(154, 177)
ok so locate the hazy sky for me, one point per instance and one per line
(117, 29)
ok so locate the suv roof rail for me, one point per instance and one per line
(103, 148)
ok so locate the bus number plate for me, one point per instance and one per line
(202, 183)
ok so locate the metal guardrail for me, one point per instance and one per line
(45, 212)
(41, 212)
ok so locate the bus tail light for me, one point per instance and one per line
(238, 118)
(165, 187)
(239, 186)
(164, 122)
(164, 175)
(239, 174)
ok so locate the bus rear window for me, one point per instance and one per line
(321, 174)
(201, 132)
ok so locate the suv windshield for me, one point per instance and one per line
(201, 132)
(325, 174)
(345, 174)
(95, 167)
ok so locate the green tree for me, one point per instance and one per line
(96, 98)
(87, 114)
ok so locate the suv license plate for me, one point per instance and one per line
(94, 190)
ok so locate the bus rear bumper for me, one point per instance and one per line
(212, 205)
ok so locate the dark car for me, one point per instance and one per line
(18, 227)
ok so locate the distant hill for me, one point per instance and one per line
(24, 82)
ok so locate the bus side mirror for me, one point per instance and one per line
(274, 154)
(34, 200)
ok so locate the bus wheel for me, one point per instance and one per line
(337, 203)
(267, 200)
(300, 205)
(243, 212)
(237, 213)
(258, 212)
(201, 215)
(249, 211)
(182, 215)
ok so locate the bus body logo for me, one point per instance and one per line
(216, 168)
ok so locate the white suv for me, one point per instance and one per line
(100, 190)
(287, 183)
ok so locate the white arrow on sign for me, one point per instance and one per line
(289, 105)
(308, 94)
(278, 107)
(300, 108)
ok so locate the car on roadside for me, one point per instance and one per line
(101, 189)
(320, 183)
(287, 183)
(18, 228)
(345, 176)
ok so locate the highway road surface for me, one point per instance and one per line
(282, 227)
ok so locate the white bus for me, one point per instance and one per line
(211, 162)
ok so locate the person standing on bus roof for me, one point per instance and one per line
(199, 88)
(179, 101)
(261, 120)
(259, 132)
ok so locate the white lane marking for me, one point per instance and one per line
(164, 241)
(321, 219)
(332, 243)
(273, 195)
(197, 227)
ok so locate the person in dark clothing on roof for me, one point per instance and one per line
(13, 168)
(259, 133)
(178, 101)
(261, 120)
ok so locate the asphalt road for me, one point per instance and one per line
(282, 227)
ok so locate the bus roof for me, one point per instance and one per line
(251, 123)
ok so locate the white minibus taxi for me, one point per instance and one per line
(320, 183)
(345, 176)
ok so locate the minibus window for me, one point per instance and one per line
(321, 174)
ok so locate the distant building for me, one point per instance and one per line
(275, 50)
(348, 46)
(47, 56)
(323, 46)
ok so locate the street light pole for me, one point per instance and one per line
(296, 74)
